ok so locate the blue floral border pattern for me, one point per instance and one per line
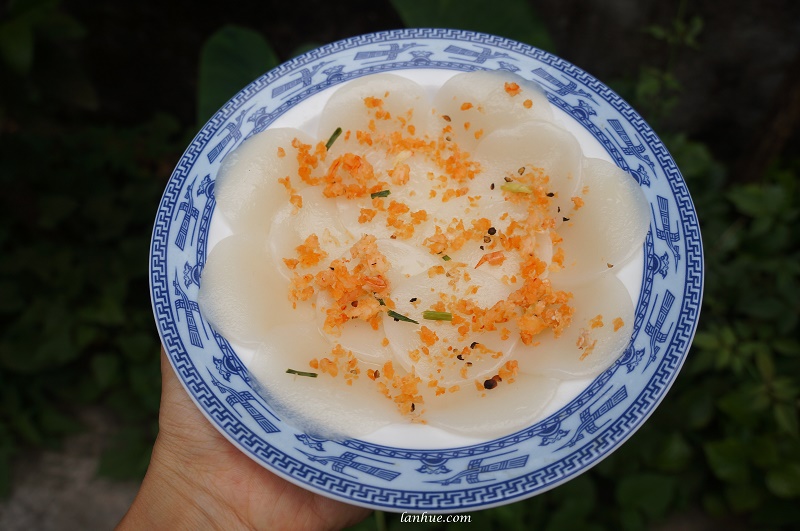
(499, 471)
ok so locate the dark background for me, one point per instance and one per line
(142, 56)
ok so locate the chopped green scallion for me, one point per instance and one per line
(301, 373)
(382, 193)
(437, 316)
(446, 258)
(333, 138)
(400, 317)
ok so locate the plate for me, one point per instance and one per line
(396, 472)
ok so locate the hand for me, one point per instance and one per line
(199, 480)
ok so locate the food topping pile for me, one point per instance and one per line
(447, 261)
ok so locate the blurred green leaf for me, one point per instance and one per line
(30, 10)
(145, 381)
(105, 368)
(651, 494)
(743, 497)
(714, 505)
(578, 499)
(728, 460)
(55, 422)
(631, 520)
(693, 30)
(675, 453)
(230, 59)
(515, 19)
(764, 363)
(787, 346)
(24, 426)
(706, 340)
(784, 480)
(697, 407)
(106, 310)
(127, 457)
(16, 45)
(658, 92)
(139, 346)
(54, 209)
(776, 513)
(744, 404)
(786, 418)
(657, 32)
(32, 23)
(11, 300)
(74, 86)
(764, 452)
(785, 389)
(61, 26)
(509, 517)
(757, 201)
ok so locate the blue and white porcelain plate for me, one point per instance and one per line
(590, 423)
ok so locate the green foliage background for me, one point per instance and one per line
(77, 328)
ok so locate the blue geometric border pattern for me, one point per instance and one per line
(478, 476)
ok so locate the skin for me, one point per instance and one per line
(199, 480)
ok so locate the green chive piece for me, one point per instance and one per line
(446, 258)
(517, 188)
(382, 193)
(333, 138)
(400, 317)
(430, 315)
(381, 301)
(301, 373)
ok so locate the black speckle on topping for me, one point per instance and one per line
(489, 384)
(413, 407)
(354, 304)
(609, 265)
(507, 179)
(474, 344)
(550, 194)
(396, 320)
(446, 118)
(491, 186)
(412, 299)
(448, 138)
(565, 219)
(469, 364)
(331, 268)
(559, 209)
(377, 373)
(482, 248)
(461, 357)
(393, 237)
(492, 231)
(487, 239)
(521, 170)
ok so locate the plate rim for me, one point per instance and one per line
(398, 35)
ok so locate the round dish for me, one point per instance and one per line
(447, 475)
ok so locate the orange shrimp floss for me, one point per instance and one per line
(440, 261)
